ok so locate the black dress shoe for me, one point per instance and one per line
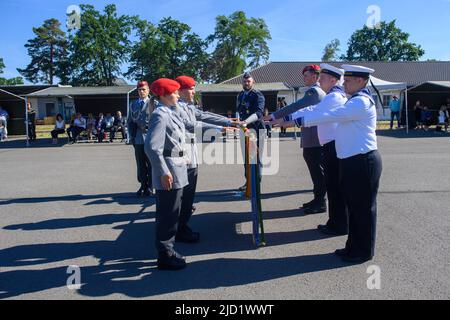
(141, 192)
(308, 204)
(194, 208)
(171, 261)
(187, 236)
(341, 252)
(328, 231)
(356, 260)
(316, 208)
(148, 192)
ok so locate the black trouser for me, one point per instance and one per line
(32, 131)
(74, 132)
(168, 207)
(337, 210)
(269, 131)
(120, 129)
(188, 198)
(56, 132)
(144, 168)
(314, 161)
(101, 133)
(360, 180)
(395, 115)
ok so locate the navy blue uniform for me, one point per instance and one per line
(250, 105)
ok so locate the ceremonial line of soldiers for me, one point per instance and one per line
(338, 140)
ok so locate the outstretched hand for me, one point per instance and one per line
(276, 122)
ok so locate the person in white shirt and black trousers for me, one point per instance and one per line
(330, 82)
(360, 163)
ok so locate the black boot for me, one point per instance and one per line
(330, 232)
(171, 261)
(308, 204)
(142, 190)
(317, 207)
(186, 235)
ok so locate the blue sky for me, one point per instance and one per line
(300, 29)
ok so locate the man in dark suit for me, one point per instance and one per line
(250, 106)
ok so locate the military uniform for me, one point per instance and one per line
(137, 123)
(312, 149)
(194, 120)
(250, 107)
(360, 164)
(337, 223)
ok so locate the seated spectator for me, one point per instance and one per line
(99, 127)
(71, 125)
(427, 120)
(60, 128)
(79, 125)
(118, 126)
(90, 126)
(108, 124)
(4, 117)
(3, 131)
(443, 119)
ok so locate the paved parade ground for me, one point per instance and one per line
(75, 206)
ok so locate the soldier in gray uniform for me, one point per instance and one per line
(312, 150)
(137, 123)
(191, 117)
(166, 149)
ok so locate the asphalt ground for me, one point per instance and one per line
(74, 205)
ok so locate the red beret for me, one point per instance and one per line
(314, 68)
(185, 82)
(142, 84)
(163, 87)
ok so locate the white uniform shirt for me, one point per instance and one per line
(357, 123)
(327, 131)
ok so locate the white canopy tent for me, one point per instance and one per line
(384, 86)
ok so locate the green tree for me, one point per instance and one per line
(100, 46)
(241, 43)
(331, 50)
(167, 50)
(2, 65)
(48, 52)
(8, 82)
(384, 43)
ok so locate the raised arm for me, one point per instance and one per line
(311, 97)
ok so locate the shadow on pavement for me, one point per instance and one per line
(127, 198)
(127, 265)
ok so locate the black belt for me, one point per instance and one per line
(170, 155)
(360, 156)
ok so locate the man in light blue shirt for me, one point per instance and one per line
(394, 105)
